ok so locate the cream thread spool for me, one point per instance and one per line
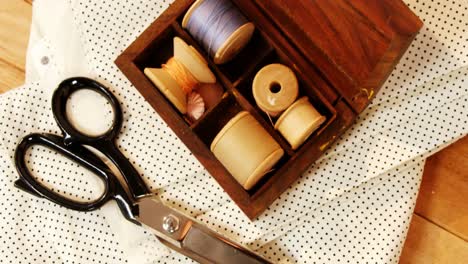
(219, 27)
(246, 149)
(275, 88)
(299, 122)
(179, 76)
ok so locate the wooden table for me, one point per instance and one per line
(439, 229)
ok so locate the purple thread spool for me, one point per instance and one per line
(221, 29)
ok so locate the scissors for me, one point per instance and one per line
(174, 229)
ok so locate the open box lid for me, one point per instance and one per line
(355, 44)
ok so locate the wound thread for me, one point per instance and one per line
(181, 74)
(213, 22)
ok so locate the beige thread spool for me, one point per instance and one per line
(192, 63)
(246, 149)
(299, 122)
(275, 88)
(233, 45)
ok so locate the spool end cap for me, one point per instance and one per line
(193, 61)
(169, 87)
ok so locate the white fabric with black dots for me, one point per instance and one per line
(353, 205)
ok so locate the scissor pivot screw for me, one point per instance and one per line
(170, 224)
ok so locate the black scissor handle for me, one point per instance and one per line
(59, 103)
(84, 157)
(105, 142)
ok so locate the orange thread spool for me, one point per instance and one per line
(181, 74)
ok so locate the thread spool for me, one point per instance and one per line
(246, 149)
(219, 27)
(181, 74)
(299, 122)
(275, 88)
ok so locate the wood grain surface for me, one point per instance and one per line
(333, 33)
(428, 243)
(439, 229)
(444, 192)
(15, 20)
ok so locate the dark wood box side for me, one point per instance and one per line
(183, 131)
(252, 205)
(355, 44)
(126, 63)
(265, 23)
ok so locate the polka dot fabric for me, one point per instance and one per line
(145, 137)
(35, 230)
(358, 227)
(353, 206)
(72, 182)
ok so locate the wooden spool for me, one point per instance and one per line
(275, 88)
(233, 45)
(246, 149)
(193, 61)
(299, 122)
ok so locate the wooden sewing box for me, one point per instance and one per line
(342, 51)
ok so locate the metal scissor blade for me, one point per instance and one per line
(216, 249)
(167, 223)
(191, 238)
